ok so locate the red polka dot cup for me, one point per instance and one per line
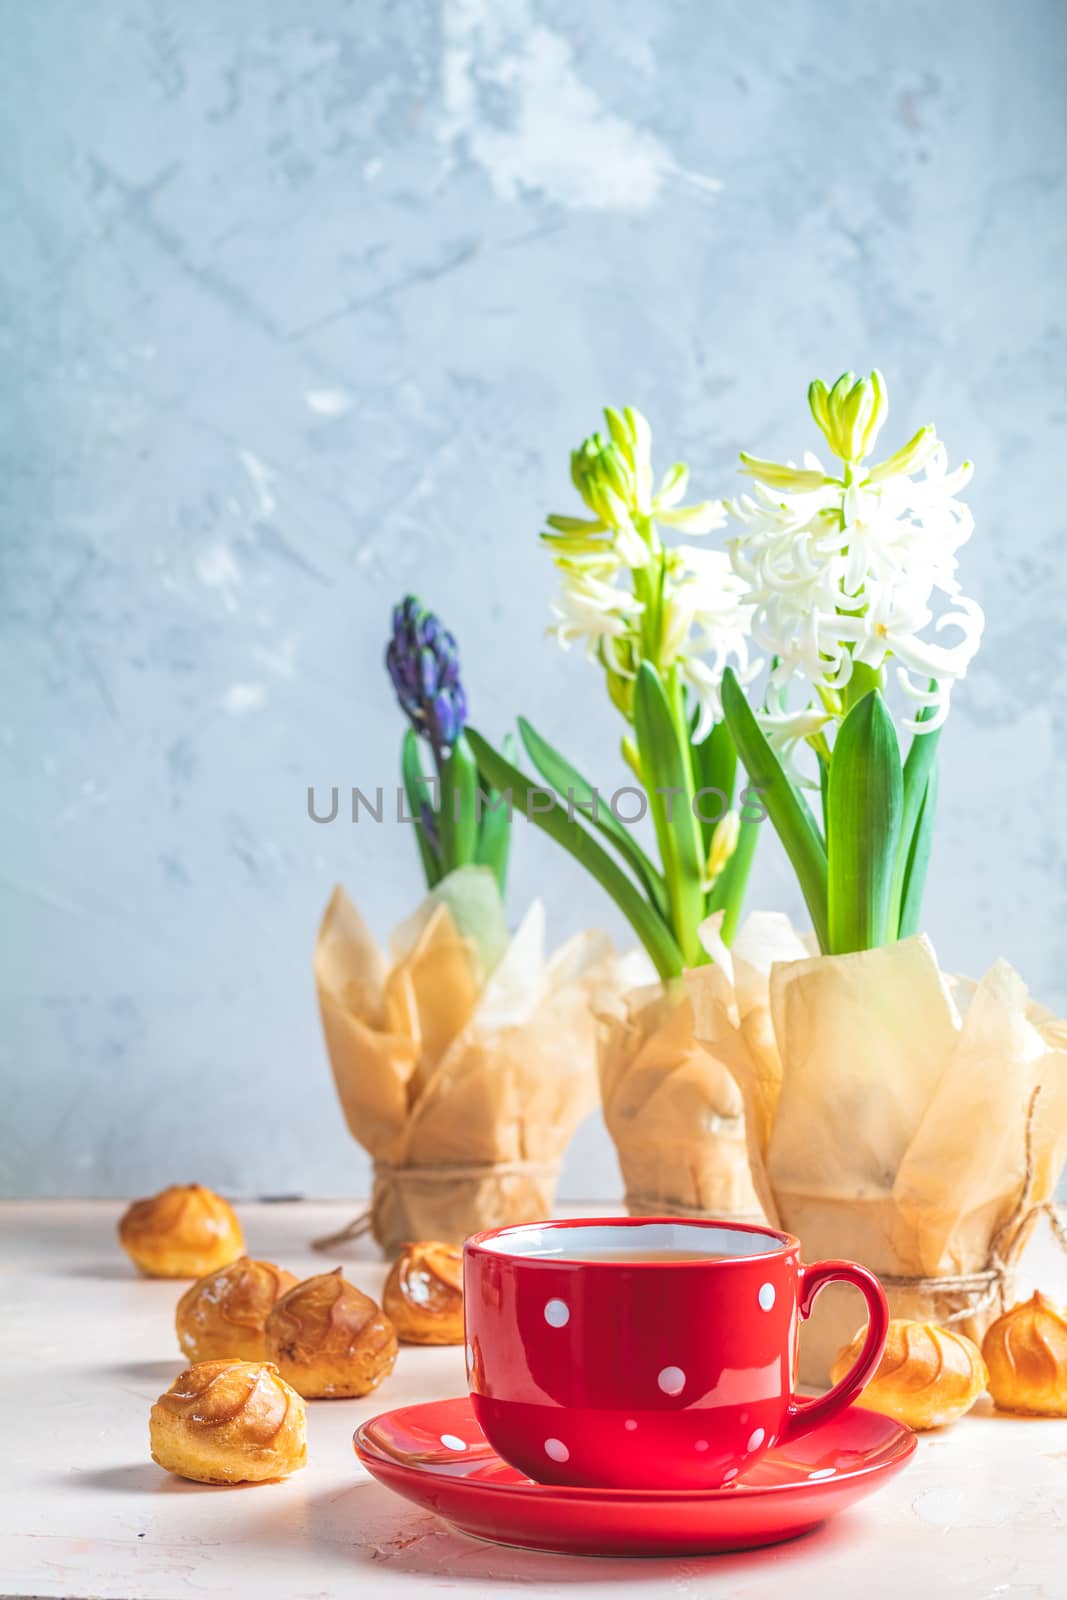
(644, 1353)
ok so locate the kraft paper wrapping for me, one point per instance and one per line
(674, 1113)
(896, 1116)
(464, 1087)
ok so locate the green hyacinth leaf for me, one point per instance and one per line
(476, 908)
(920, 763)
(494, 828)
(665, 762)
(577, 791)
(865, 801)
(552, 819)
(714, 767)
(918, 860)
(788, 811)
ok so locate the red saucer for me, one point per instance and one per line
(437, 1456)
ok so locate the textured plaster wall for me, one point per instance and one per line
(302, 303)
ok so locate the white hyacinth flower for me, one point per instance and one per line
(856, 567)
(591, 609)
(706, 621)
(625, 595)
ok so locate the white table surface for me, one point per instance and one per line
(86, 1346)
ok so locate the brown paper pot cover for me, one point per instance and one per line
(896, 1116)
(674, 1112)
(464, 1090)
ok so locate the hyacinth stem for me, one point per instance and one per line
(862, 681)
(648, 588)
(418, 805)
(457, 819)
(668, 768)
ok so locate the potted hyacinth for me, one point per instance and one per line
(455, 826)
(661, 621)
(464, 1059)
(841, 568)
(896, 1115)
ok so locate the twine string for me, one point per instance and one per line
(989, 1285)
(437, 1173)
(434, 1175)
(358, 1228)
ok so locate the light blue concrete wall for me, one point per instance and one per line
(302, 304)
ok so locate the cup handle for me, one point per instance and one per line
(803, 1415)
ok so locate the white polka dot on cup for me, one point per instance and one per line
(756, 1438)
(557, 1313)
(766, 1296)
(729, 1474)
(470, 1358)
(556, 1450)
(450, 1442)
(671, 1380)
(630, 1425)
(701, 1444)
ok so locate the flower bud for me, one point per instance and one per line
(632, 758)
(422, 659)
(619, 429)
(780, 475)
(672, 489)
(701, 517)
(850, 414)
(604, 479)
(723, 844)
(909, 458)
(620, 692)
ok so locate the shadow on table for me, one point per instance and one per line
(160, 1374)
(372, 1528)
(111, 1271)
(135, 1477)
